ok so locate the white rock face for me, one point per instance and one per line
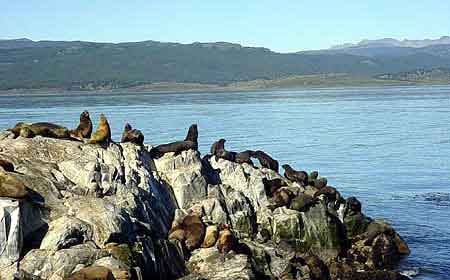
(10, 231)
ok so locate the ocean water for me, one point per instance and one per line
(388, 146)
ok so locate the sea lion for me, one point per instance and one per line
(330, 193)
(281, 197)
(103, 132)
(43, 129)
(191, 231)
(302, 202)
(84, 128)
(266, 161)
(320, 183)
(376, 228)
(293, 175)
(271, 186)
(132, 135)
(11, 187)
(217, 147)
(226, 241)
(192, 135)
(352, 206)
(175, 147)
(92, 273)
(230, 156)
(318, 269)
(313, 175)
(178, 146)
(6, 165)
(211, 235)
(16, 129)
(244, 157)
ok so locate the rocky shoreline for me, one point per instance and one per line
(87, 211)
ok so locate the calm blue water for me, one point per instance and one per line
(390, 147)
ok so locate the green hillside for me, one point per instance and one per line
(81, 65)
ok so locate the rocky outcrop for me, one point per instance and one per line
(92, 212)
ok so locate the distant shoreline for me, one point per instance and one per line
(290, 83)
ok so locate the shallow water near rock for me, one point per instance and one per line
(388, 146)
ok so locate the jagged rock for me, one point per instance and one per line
(184, 175)
(48, 264)
(206, 263)
(65, 232)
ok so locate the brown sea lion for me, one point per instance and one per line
(175, 147)
(103, 132)
(16, 129)
(6, 165)
(227, 155)
(244, 157)
(376, 228)
(92, 273)
(320, 183)
(271, 186)
(352, 206)
(318, 269)
(191, 231)
(132, 135)
(330, 193)
(226, 241)
(11, 187)
(84, 128)
(192, 135)
(313, 175)
(218, 147)
(43, 129)
(302, 202)
(211, 235)
(293, 175)
(266, 161)
(281, 197)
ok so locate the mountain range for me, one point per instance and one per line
(89, 65)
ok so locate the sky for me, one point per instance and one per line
(283, 26)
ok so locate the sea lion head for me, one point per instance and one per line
(128, 127)
(286, 167)
(192, 134)
(84, 116)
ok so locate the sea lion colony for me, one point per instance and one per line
(190, 232)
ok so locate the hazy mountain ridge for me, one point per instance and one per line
(390, 42)
(89, 65)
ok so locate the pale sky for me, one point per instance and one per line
(282, 25)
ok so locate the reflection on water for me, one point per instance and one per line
(388, 146)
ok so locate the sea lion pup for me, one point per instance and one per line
(266, 161)
(271, 186)
(226, 241)
(312, 176)
(192, 135)
(244, 157)
(6, 165)
(103, 132)
(132, 135)
(43, 129)
(300, 177)
(84, 128)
